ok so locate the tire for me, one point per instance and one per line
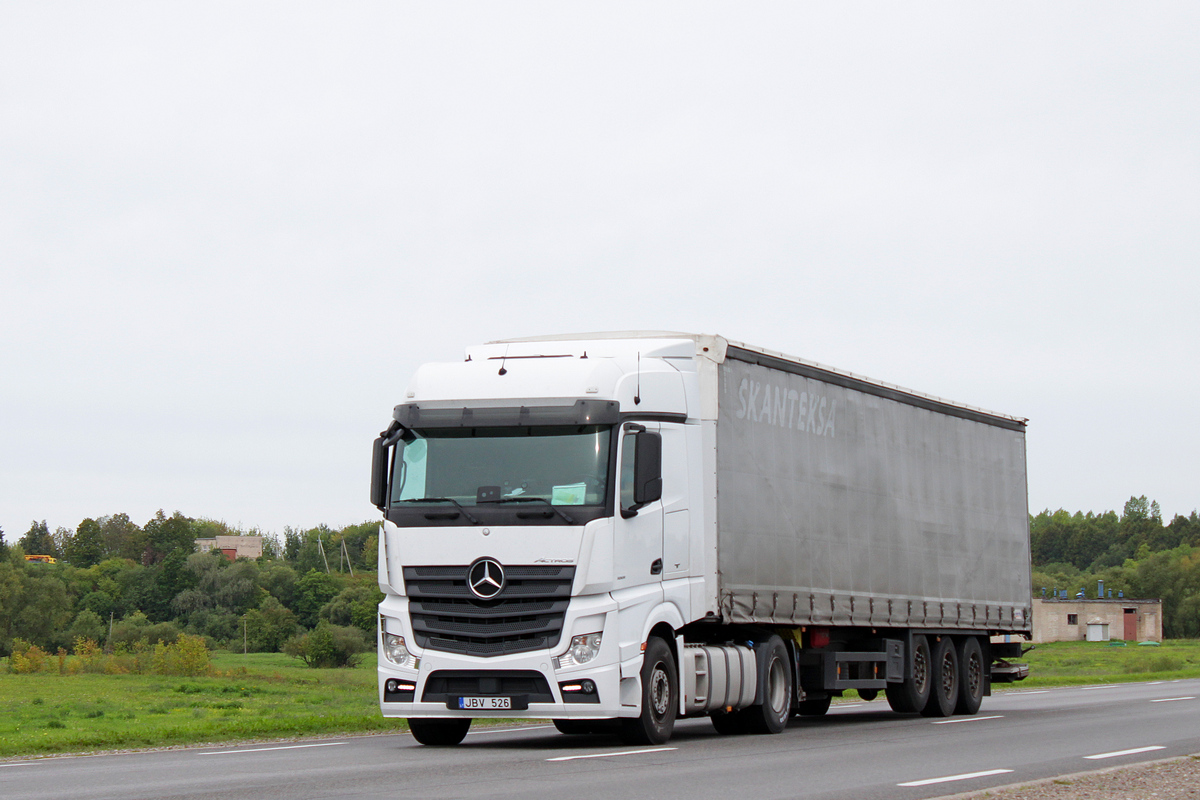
(971, 676)
(867, 695)
(660, 697)
(775, 667)
(944, 680)
(439, 732)
(910, 695)
(817, 707)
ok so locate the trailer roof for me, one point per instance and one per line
(789, 363)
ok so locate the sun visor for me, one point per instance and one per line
(437, 415)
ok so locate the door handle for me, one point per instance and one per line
(656, 567)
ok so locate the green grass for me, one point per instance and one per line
(1074, 663)
(272, 696)
(259, 696)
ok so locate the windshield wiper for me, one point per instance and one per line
(457, 505)
(553, 507)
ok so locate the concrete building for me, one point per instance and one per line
(1069, 620)
(234, 547)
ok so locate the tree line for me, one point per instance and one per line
(1134, 553)
(119, 584)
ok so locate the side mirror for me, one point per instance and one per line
(641, 469)
(379, 465)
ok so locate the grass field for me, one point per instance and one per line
(259, 696)
(272, 696)
(1072, 663)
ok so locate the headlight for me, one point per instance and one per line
(395, 652)
(582, 650)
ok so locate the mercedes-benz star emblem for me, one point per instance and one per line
(486, 578)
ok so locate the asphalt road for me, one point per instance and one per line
(859, 751)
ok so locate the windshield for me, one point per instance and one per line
(477, 466)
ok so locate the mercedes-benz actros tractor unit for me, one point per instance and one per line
(614, 531)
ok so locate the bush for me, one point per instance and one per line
(328, 646)
(188, 655)
(27, 658)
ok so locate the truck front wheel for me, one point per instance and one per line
(660, 697)
(439, 731)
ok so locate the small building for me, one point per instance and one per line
(1069, 620)
(234, 547)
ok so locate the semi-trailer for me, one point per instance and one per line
(617, 530)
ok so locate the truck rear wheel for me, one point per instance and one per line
(910, 695)
(660, 697)
(772, 715)
(439, 732)
(944, 680)
(971, 677)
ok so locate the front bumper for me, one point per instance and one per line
(523, 685)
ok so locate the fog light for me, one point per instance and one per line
(582, 650)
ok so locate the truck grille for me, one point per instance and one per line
(526, 615)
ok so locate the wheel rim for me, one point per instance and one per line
(948, 689)
(920, 670)
(660, 691)
(777, 688)
(974, 675)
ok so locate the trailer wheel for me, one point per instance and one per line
(439, 732)
(660, 697)
(971, 677)
(910, 695)
(772, 715)
(943, 690)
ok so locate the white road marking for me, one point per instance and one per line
(1126, 752)
(611, 755)
(1035, 691)
(964, 777)
(1105, 686)
(1171, 699)
(18, 764)
(264, 749)
(966, 719)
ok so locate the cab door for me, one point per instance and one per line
(638, 535)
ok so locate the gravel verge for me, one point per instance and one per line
(1168, 779)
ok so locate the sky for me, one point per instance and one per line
(230, 232)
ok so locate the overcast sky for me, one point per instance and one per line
(229, 232)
